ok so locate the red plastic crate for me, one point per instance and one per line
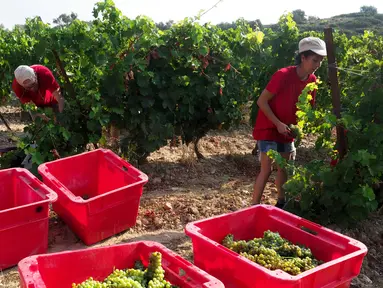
(98, 193)
(343, 255)
(24, 216)
(60, 270)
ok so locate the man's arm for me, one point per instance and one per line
(60, 99)
(35, 115)
(272, 88)
(19, 92)
(48, 80)
(263, 103)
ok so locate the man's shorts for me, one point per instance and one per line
(265, 146)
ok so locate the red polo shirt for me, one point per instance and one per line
(47, 84)
(286, 87)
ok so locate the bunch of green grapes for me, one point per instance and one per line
(291, 250)
(139, 277)
(90, 283)
(274, 252)
(125, 278)
(284, 247)
(273, 239)
(155, 274)
(296, 133)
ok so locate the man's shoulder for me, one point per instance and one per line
(286, 71)
(41, 69)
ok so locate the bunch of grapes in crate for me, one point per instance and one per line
(138, 277)
(274, 252)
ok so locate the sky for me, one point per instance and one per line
(15, 11)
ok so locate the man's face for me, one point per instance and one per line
(311, 63)
(30, 85)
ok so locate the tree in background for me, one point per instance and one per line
(165, 26)
(65, 19)
(313, 18)
(369, 10)
(299, 16)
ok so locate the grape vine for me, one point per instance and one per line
(157, 86)
(153, 85)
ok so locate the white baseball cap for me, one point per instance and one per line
(23, 73)
(314, 44)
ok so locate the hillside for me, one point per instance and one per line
(355, 23)
(351, 24)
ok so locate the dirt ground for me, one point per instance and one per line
(182, 189)
(12, 116)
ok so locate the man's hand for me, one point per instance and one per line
(42, 116)
(60, 99)
(283, 128)
(55, 154)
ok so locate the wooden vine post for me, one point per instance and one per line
(335, 92)
(5, 122)
(60, 66)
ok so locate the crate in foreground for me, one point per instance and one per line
(342, 255)
(24, 216)
(98, 193)
(60, 270)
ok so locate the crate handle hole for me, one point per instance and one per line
(181, 272)
(309, 230)
(125, 168)
(39, 209)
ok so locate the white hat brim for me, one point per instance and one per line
(320, 52)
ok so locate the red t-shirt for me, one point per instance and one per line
(47, 84)
(286, 87)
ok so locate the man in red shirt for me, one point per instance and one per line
(37, 84)
(278, 109)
